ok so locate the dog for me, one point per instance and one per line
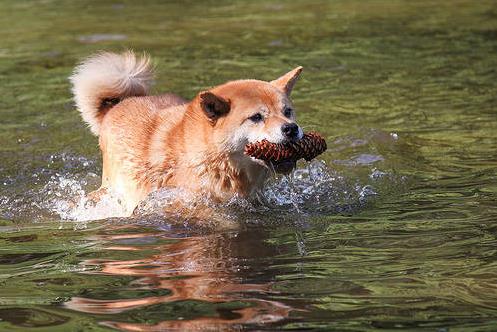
(151, 142)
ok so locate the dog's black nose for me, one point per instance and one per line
(290, 130)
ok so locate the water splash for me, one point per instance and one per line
(80, 208)
(313, 189)
(317, 189)
(347, 186)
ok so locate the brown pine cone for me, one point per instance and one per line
(308, 148)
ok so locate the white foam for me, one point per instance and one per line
(314, 188)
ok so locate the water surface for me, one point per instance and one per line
(392, 229)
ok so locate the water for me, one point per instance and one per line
(392, 229)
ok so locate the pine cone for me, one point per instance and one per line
(308, 148)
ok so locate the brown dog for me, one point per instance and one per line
(150, 142)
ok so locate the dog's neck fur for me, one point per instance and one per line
(219, 173)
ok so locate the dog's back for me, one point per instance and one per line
(111, 93)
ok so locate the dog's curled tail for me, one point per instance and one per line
(105, 79)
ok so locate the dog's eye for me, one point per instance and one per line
(257, 117)
(288, 112)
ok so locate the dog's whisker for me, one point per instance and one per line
(272, 169)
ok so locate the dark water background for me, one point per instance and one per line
(393, 230)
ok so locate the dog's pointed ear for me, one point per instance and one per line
(214, 106)
(286, 82)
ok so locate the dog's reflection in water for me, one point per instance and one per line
(215, 269)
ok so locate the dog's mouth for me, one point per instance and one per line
(283, 166)
(280, 167)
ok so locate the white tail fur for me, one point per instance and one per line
(104, 79)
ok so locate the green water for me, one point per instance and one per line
(395, 232)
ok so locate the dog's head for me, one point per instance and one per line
(247, 111)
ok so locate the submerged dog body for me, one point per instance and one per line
(150, 142)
